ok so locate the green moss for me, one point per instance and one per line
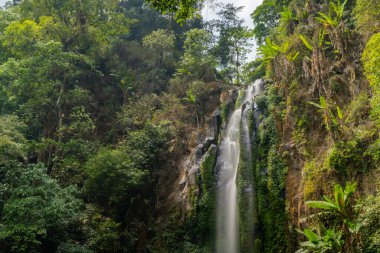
(225, 111)
(240, 98)
(270, 184)
(261, 102)
(248, 219)
(207, 169)
(202, 229)
(276, 172)
(193, 196)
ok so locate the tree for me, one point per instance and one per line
(228, 19)
(183, 9)
(38, 82)
(12, 140)
(124, 170)
(197, 94)
(37, 212)
(240, 42)
(197, 61)
(114, 172)
(84, 26)
(266, 18)
(160, 42)
(232, 42)
(67, 68)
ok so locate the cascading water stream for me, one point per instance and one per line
(249, 218)
(227, 234)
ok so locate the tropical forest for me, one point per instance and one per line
(189, 126)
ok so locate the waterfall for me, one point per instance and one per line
(227, 229)
(247, 194)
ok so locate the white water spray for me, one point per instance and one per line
(227, 237)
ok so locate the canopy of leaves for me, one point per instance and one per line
(12, 139)
(122, 171)
(197, 61)
(36, 211)
(183, 9)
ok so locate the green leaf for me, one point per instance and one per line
(339, 111)
(324, 19)
(285, 47)
(333, 118)
(306, 42)
(349, 191)
(339, 197)
(311, 236)
(328, 199)
(323, 102)
(315, 104)
(309, 245)
(322, 205)
(295, 56)
(191, 97)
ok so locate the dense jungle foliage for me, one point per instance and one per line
(320, 60)
(101, 101)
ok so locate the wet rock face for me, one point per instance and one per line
(229, 97)
(191, 171)
(190, 166)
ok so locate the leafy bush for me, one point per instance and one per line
(261, 102)
(72, 248)
(197, 62)
(36, 210)
(120, 170)
(12, 140)
(115, 173)
(349, 158)
(369, 220)
(341, 234)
